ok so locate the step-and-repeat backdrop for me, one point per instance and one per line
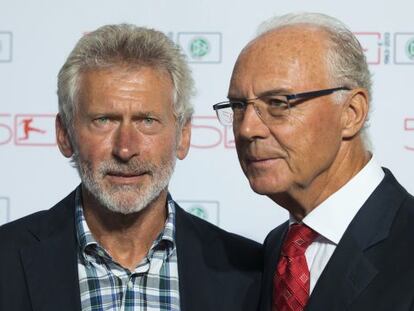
(36, 37)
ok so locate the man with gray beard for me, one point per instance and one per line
(119, 241)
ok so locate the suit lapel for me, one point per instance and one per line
(272, 246)
(346, 275)
(194, 295)
(50, 264)
(350, 269)
(217, 270)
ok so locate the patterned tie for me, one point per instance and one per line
(292, 280)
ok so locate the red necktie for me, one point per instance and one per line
(292, 279)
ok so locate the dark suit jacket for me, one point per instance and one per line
(372, 267)
(38, 264)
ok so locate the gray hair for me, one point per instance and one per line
(345, 57)
(112, 45)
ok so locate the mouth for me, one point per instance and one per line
(126, 177)
(254, 158)
(261, 161)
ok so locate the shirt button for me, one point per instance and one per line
(130, 284)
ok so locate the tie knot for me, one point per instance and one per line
(298, 238)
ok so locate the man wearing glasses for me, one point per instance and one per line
(298, 102)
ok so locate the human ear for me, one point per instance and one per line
(355, 113)
(184, 139)
(62, 137)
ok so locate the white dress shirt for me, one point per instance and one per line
(332, 217)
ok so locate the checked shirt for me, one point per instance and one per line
(106, 285)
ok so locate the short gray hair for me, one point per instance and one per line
(345, 59)
(113, 45)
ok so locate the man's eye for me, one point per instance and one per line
(237, 105)
(148, 120)
(277, 102)
(149, 125)
(102, 120)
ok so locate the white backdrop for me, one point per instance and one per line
(37, 36)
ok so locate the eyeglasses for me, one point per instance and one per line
(270, 107)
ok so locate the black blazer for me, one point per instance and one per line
(372, 267)
(38, 264)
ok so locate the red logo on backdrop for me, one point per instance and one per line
(35, 129)
(27, 129)
(208, 133)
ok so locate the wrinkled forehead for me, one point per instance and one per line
(292, 57)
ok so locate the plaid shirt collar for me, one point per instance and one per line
(89, 247)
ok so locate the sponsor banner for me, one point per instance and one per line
(207, 210)
(35, 129)
(6, 39)
(404, 48)
(201, 47)
(4, 210)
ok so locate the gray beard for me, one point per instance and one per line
(115, 197)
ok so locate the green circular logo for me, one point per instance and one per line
(409, 48)
(199, 47)
(199, 211)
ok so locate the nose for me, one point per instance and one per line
(126, 142)
(251, 126)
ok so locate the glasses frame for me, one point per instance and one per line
(289, 97)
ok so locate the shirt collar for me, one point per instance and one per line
(86, 238)
(333, 216)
